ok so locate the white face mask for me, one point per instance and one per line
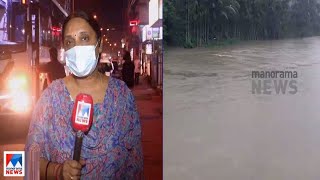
(81, 60)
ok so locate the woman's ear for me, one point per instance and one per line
(101, 45)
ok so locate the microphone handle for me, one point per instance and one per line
(77, 146)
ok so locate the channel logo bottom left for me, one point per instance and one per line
(14, 163)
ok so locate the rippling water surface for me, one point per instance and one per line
(215, 128)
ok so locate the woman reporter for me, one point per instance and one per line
(112, 148)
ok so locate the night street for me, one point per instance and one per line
(35, 51)
(149, 102)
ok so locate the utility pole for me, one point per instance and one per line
(32, 36)
(35, 24)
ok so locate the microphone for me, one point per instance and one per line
(82, 117)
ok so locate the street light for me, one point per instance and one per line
(107, 29)
(95, 16)
(106, 39)
(101, 29)
(115, 44)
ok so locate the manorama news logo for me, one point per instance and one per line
(14, 163)
(83, 113)
(274, 82)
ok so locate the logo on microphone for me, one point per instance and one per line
(83, 113)
(13, 164)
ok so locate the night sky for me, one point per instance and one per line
(109, 12)
(109, 15)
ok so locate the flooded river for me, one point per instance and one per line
(216, 128)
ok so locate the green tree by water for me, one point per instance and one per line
(195, 23)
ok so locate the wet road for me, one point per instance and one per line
(14, 128)
(13, 133)
(215, 128)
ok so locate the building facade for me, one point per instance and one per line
(146, 34)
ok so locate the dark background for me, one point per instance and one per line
(110, 15)
(109, 12)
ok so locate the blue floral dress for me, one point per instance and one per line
(112, 148)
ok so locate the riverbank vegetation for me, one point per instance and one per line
(197, 23)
